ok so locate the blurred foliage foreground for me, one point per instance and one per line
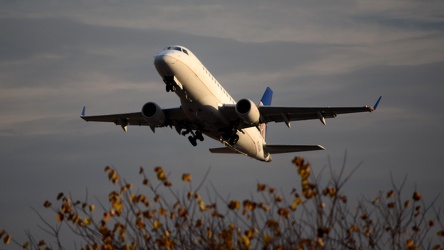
(309, 217)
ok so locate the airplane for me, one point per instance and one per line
(208, 109)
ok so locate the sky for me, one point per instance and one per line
(57, 56)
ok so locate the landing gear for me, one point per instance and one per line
(199, 136)
(192, 140)
(170, 83)
(233, 139)
(170, 87)
(231, 136)
(194, 136)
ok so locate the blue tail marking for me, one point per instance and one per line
(83, 111)
(266, 98)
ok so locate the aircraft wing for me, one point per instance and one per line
(173, 117)
(288, 114)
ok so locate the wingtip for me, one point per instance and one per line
(377, 103)
(83, 112)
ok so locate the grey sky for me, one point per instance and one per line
(56, 57)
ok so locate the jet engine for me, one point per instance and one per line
(153, 114)
(248, 111)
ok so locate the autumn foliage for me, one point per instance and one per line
(310, 216)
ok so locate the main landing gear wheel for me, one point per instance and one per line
(194, 136)
(192, 140)
(234, 139)
(170, 87)
(199, 136)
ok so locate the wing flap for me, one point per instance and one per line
(279, 149)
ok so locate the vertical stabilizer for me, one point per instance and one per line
(265, 101)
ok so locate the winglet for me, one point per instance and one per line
(83, 111)
(377, 103)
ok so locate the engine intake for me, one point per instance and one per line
(153, 114)
(248, 111)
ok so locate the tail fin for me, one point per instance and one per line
(265, 101)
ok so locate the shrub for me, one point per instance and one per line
(312, 216)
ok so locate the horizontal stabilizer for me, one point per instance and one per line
(223, 150)
(279, 149)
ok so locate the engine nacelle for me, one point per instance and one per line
(248, 111)
(153, 114)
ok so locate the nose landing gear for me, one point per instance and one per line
(170, 83)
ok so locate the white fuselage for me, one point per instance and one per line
(201, 95)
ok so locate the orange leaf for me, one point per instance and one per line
(416, 196)
(234, 205)
(59, 217)
(157, 224)
(186, 177)
(60, 195)
(7, 239)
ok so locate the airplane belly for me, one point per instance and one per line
(246, 145)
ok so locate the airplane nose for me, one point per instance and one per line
(164, 63)
(164, 59)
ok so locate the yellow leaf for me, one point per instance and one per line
(244, 240)
(7, 239)
(87, 221)
(267, 239)
(201, 205)
(320, 242)
(118, 206)
(157, 224)
(295, 203)
(91, 207)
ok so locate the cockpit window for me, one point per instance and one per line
(178, 49)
